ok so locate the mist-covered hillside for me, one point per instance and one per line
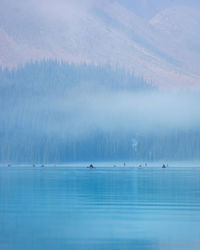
(59, 112)
(162, 48)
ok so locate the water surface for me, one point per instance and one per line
(57, 208)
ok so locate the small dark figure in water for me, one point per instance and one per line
(140, 166)
(33, 165)
(124, 164)
(163, 166)
(42, 166)
(9, 165)
(91, 166)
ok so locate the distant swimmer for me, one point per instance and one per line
(124, 164)
(140, 166)
(9, 165)
(33, 165)
(91, 166)
(42, 166)
(163, 166)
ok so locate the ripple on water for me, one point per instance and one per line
(104, 208)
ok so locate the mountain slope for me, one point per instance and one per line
(181, 25)
(101, 33)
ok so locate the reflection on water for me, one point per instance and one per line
(55, 208)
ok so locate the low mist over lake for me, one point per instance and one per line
(58, 112)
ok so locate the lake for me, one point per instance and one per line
(106, 208)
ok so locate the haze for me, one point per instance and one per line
(55, 56)
(158, 40)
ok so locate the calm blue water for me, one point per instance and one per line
(57, 208)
